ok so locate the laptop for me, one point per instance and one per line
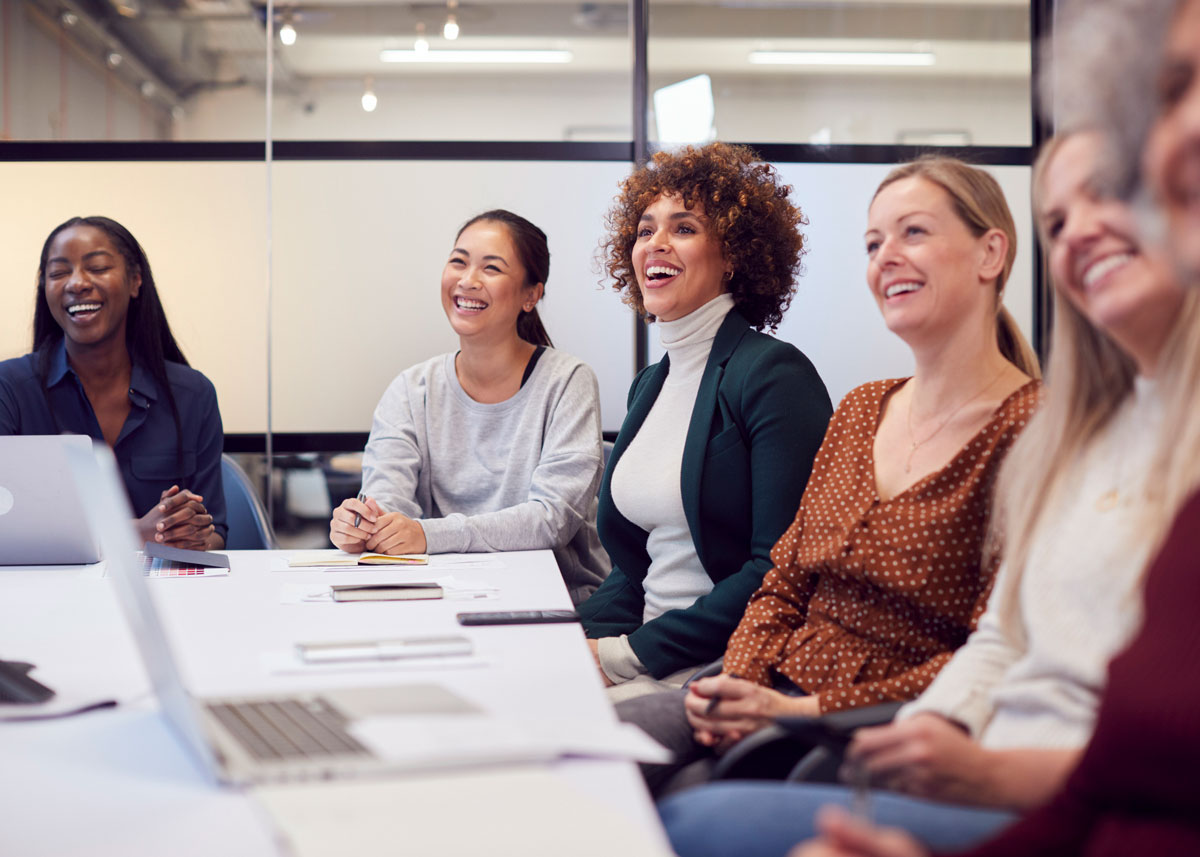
(252, 739)
(41, 518)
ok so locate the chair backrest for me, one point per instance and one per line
(249, 528)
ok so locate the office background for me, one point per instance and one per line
(158, 115)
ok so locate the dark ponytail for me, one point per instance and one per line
(535, 259)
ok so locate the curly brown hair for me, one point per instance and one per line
(748, 209)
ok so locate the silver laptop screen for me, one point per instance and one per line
(111, 518)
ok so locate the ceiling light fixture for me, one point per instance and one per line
(148, 89)
(369, 99)
(421, 44)
(450, 30)
(287, 33)
(114, 59)
(843, 58)
(69, 19)
(504, 57)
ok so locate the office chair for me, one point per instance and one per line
(787, 750)
(249, 528)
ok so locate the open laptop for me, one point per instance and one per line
(269, 738)
(41, 517)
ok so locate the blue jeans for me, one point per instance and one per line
(765, 819)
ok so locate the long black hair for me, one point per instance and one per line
(534, 252)
(148, 337)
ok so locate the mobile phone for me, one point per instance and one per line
(517, 617)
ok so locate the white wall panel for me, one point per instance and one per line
(359, 247)
(833, 318)
(359, 251)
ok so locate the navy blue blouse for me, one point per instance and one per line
(146, 449)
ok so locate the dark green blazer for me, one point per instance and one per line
(759, 418)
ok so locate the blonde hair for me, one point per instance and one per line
(980, 205)
(1088, 378)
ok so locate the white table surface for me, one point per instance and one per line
(117, 782)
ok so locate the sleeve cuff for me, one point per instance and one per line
(972, 709)
(618, 660)
(443, 535)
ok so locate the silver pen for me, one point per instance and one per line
(362, 497)
(860, 802)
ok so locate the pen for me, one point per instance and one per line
(362, 496)
(712, 703)
(860, 804)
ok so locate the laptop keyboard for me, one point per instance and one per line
(299, 728)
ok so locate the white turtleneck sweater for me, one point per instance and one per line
(1032, 673)
(647, 479)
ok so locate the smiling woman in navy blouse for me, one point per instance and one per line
(105, 364)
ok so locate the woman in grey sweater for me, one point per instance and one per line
(497, 446)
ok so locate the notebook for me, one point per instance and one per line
(327, 559)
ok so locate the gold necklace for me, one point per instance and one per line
(916, 444)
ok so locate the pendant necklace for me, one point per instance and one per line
(917, 444)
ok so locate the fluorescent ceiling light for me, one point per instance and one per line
(843, 58)
(514, 56)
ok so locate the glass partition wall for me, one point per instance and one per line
(305, 274)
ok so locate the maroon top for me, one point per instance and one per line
(1137, 788)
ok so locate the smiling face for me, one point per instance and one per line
(678, 262)
(1172, 156)
(1096, 259)
(483, 283)
(927, 272)
(88, 286)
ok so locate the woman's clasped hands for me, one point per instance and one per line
(179, 520)
(726, 708)
(361, 525)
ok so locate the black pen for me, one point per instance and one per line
(358, 517)
(712, 703)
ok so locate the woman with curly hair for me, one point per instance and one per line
(719, 437)
(884, 572)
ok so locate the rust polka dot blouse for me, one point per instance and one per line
(868, 598)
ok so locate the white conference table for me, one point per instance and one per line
(118, 782)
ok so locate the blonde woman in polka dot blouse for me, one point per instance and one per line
(883, 573)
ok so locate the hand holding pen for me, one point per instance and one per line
(726, 708)
(354, 522)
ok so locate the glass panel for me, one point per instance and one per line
(513, 71)
(90, 72)
(924, 72)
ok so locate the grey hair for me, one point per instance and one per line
(1101, 73)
